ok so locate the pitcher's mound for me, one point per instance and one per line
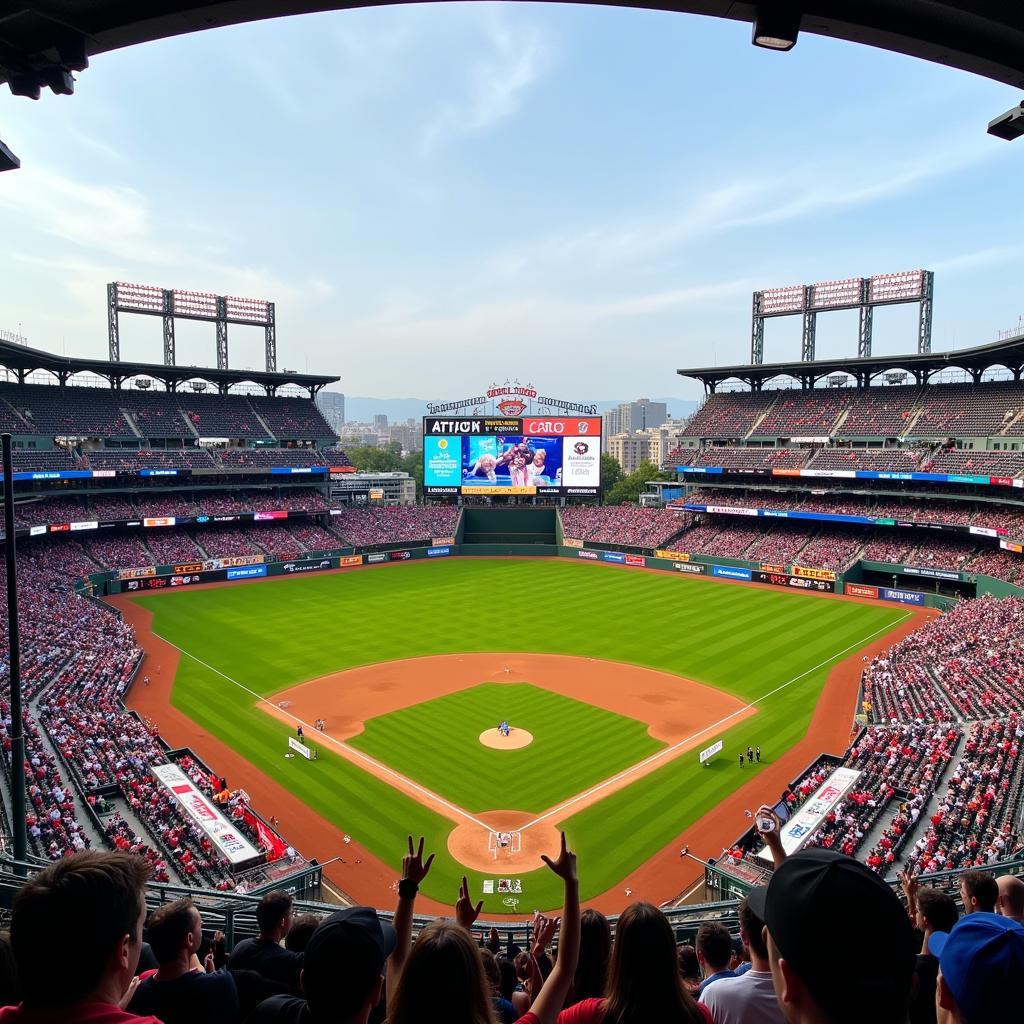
(516, 738)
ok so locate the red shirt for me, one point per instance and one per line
(590, 1011)
(77, 1013)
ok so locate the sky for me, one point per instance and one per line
(442, 196)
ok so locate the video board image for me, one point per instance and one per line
(517, 461)
(534, 455)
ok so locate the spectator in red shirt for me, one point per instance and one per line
(77, 934)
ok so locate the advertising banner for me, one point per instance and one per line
(135, 574)
(300, 748)
(581, 460)
(715, 748)
(810, 816)
(377, 556)
(159, 521)
(76, 527)
(860, 590)
(399, 556)
(730, 572)
(247, 572)
(672, 556)
(570, 543)
(313, 565)
(635, 560)
(190, 567)
(347, 560)
(768, 567)
(230, 560)
(440, 542)
(592, 555)
(438, 552)
(262, 517)
(158, 472)
(691, 568)
(613, 556)
(186, 580)
(901, 596)
(234, 847)
(442, 461)
(783, 579)
(1009, 545)
(814, 574)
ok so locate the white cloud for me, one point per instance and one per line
(517, 56)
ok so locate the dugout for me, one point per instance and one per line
(515, 530)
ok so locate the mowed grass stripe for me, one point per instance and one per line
(745, 640)
(559, 763)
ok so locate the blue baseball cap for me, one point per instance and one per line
(982, 963)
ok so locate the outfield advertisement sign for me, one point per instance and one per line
(860, 590)
(373, 559)
(691, 568)
(901, 596)
(613, 556)
(235, 847)
(570, 543)
(932, 574)
(313, 565)
(638, 560)
(731, 572)
(784, 579)
(438, 552)
(809, 818)
(347, 560)
(592, 555)
(247, 572)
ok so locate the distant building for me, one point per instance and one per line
(380, 422)
(633, 416)
(332, 407)
(629, 449)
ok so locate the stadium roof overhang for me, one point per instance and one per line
(1008, 353)
(984, 37)
(22, 361)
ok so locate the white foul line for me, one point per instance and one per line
(689, 739)
(383, 768)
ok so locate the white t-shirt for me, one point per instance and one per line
(748, 999)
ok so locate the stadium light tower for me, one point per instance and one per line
(1008, 126)
(8, 161)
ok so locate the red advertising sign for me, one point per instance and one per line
(557, 426)
(635, 560)
(860, 590)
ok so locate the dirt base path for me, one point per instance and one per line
(367, 879)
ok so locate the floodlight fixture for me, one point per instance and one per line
(8, 161)
(1008, 126)
(776, 25)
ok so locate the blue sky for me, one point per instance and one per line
(440, 196)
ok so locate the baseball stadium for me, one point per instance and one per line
(234, 654)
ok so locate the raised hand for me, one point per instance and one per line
(413, 866)
(565, 865)
(465, 912)
(544, 929)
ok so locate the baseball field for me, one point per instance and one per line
(611, 679)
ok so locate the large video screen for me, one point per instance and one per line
(553, 455)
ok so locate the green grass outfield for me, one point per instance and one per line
(745, 640)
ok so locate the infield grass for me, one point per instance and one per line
(747, 641)
(575, 746)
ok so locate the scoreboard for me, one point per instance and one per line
(528, 455)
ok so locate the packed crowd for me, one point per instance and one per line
(823, 941)
(973, 825)
(624, 525)
(967, 663)
(937, 411)
(367, 527)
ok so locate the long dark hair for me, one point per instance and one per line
(443, 981)
(644, 984)
(595, 951)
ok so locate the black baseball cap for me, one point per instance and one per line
(343, 961)
(840, 927)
